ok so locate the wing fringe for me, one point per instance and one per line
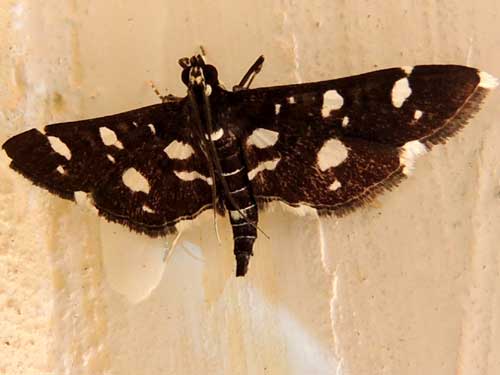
(148, 229)
(347, 207)
(455, 123)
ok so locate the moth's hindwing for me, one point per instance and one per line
(334, 145)
(139, 168)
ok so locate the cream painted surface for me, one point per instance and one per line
(407, 285)
(134, 264)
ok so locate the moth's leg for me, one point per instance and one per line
(207, 145)
(163, 98)
(248, 78)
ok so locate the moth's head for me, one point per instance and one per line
(195, 72)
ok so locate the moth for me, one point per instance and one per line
(330, 146)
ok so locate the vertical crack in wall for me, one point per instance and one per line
(296, 55)
(470, 50)
(475, 346)
(290, 29)
(333, 306)
(322, 243)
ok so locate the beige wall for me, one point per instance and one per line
(407, 285)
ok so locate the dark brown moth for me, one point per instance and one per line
(330, 146)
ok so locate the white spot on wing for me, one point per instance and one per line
(147, 209)
(487, 81)
(60, 169)
(407, 69)
(332, 101)
(178, 150)
(84, 200)
(109, 137)
(216, 135)
(277, 109)
(400, 92)
(135, 181)
(417, 114)
(345, 121)
(409, 153)
(268, 165)
(190, 176)
(332, 154)
(59, 147)
(335, 185)
(262, 138)
(80, 197)
(152, 128)
(290, 100)
(111, 158)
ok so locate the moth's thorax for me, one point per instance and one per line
(208, 103)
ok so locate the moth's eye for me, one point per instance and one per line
(185, 76)
(211, 75)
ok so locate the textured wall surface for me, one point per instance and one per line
(407, 285)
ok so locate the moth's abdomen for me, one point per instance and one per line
(239, 199)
